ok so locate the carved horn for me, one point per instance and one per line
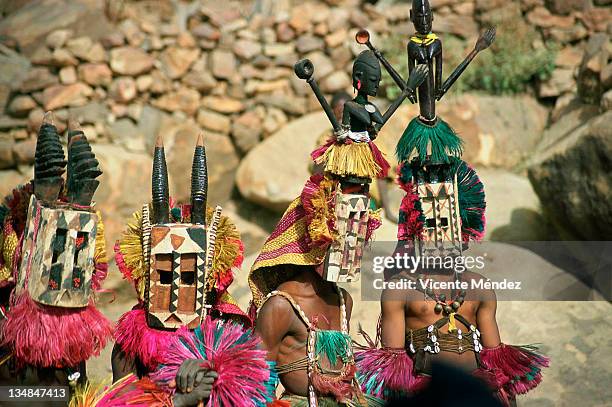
(49, 162)
(83, 167)
(159, 185)
(199, 183)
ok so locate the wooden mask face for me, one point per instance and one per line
(176, 279)
(58, 255)
(440, 204)
(343, 261)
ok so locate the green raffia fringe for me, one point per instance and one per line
(418, 136)
(405, 173)
(270, 384)
(472, 202)
(333, 344)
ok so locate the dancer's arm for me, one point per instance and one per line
(393, 320)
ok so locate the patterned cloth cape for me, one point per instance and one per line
(301, 237)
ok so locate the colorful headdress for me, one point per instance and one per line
(311, 233)
(180, 259)
(59, 260)
(443, 207)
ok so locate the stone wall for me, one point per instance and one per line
(130, 70)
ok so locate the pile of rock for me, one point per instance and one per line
(232, 72)
(178, 68)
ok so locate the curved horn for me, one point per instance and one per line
(159, 185)
(199, 184)
(83, 167)
(49, 161)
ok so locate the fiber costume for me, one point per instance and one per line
(180, 259)
(326, 228)
(507, 369)
(308, 234)
(53, 260)
(442, 210)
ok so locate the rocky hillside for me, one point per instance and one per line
(130, 70)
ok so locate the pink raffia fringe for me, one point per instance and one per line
(124, 392)
(138, 340)
(380, 159)
(319, 151)
(123, 268)
(227, 349)
(386, 369)
(46, 336)
(373, 224)
(343, 391)
(515, 369)
(99, 275)
(411, 227)
(128, 391)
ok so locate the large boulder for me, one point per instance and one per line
(274, 172)
(497, 131)
(590, 81)
(513, 208)
(571, 175)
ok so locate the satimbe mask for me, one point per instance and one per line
(179, 254)
(343, 260)
(59, 239)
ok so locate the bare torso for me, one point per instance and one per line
(406, 311)
(284, 333)
(421, 313)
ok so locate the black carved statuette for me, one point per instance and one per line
(425, 48)
(360, 115)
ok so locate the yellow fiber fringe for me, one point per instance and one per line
(227, 247)
(90, 394)
(130, 247)
(100, 250)
(354, 159)
(318, 228)
(87, 395)
(8, 251)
